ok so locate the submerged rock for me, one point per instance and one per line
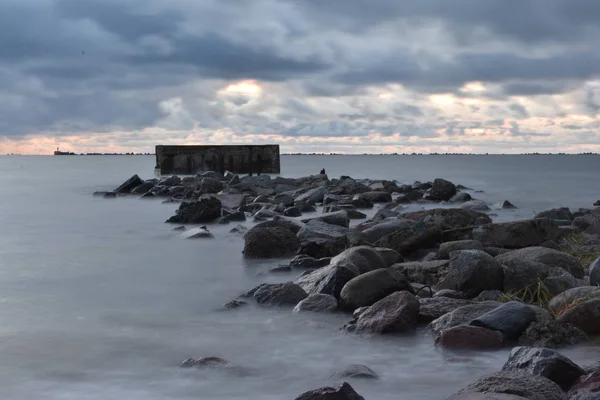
(317, 303)
(469, 337)
(197, 233)
(129, 184)
(343, 392)
(271, 239)
(462, 315)
(204, 362)
(355, 371)
(197, 212)
(280, 294)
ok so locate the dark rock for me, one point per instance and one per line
(587, 388)
(423, 291)
(110, 195)
(471, 272)
(355, 214)
(556, 213)
(267, 241)
(279, 269)
(313, 195)
(99, 193)
(442, 190)
(280, 294)
(495, 251)
(475, 205)
(303, 261)
(370, 287)
(320, 229)
(424, 272)
(173, 180)
(485, 396)
(573, 296)
(339, 218)
(512, 319)
(143, 188)
(434, 308)
(504, 205)
(447, 247)
(323, 247)
(595, 273)
(390, 256)
(210, 185)
(544, 362)
(197, 212)
(449, 293)
(238, 230)
(204, 362)
(552, 334)
(410, 197)
(559, 280)
(376, 197)
(469, 337)
(317, 303)
(447, 218)
(519, 383)
(356, 371)
(343, 392)
(233, 304)
(462, 315)
(518, 234)
(197, 233)
(461, 197)
(585, 316)
(129, 184)
(386, 227)
(398, 312)
(488, 295)
(292, 212)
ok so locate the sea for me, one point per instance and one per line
(100, 299)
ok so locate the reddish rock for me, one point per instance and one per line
(469, 337)
(586, 384)
(585, 316)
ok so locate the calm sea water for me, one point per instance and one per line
(101, 300)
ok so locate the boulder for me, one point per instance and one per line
(461, 197)
(584, 315)
(447, 247)
(435, 307)
(390, 256)
(205, 362)
(519, 383)
(595, 273)
(512, 319)
(323, 247)
(339, 218)
(587, 388)
(197, 212)
(398, 312)
(472, 272)
(305, 262)
(442, 190)
(210, 185)
(230, 201)
(559, 280)
(544, 362)
(476, 205)
(292, 212)
(313, 195)
(448, 218)
(144, 187)
(270, 239)
(552, 334)
(129, 184)
(355, 214)
(386, 227)
(465, 337)
(485, 396)
(562, 213)
(370, 287)
(197, 233)
(461, 316)
(320, 229)
(376, 197)
(504, 205)
(280, 294)
(450, 293)
(424, 272)
(343, 392)
(488, 295)
(409, 197)
(517, 234)
(573, 296)
(317, 303)
(284, 199)
(357, 371)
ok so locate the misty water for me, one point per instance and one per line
(100, 299)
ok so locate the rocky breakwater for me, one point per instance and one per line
(449, 269)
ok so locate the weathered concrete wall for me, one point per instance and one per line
(237, 159)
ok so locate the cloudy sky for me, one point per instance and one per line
(348, 76)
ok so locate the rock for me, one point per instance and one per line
(424, 272)
(370, 287)
(233, 304)
(435, 307)
(572, 296)
(284, 199)
(238, 230)
(469, 337)
(447, 218)
(280, 294)
(512, 319)
(556, 213)
(338, 218)
(197, 233)
(322, 247)
(317, 303)
(292, 212)
(238, 216)
(305, 262)
(518, 234)
(390, 256)
(595, 273)
(355, 371)
(472, 272)
(313, 195)
(422, 291)
(587, 388)
(449, 293)
(204, 362)
(552, 335)
(495, 251)
(442, 190)
(129, 184)
(409, 197)
(488, 295)
(447, 247)
(320, 229)
(461, 197)
(267, 241)
(143, 188)
(504, 205)
(229, 201)
(461, 316)
(485, 396)
(519, 383)
(585, 316)
(173, 180)
(197, 212)
(386, 227)
(544, 362)
(476, 205)
(376, 197)
(398, 312)
(343, 392)
(355, 214)
(559, 280)
(279, 269)
(210, 185)
(110, 195)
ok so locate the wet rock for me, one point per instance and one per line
(285, 199)
(552, 334)
(512, 319)
(320, 229)
(110, 195)
(238, 216)
(338, 218)
(488, 295)
(305, 262)
(268, 240)
(370, 287)
(343, 392)
(476, 205)
(424, 272)
(518, 234)
(376, 197)
(129, 184)
(442, 190)
(205, 362)
(519, 383)
(461, 197)
(197, 233)
(233, 304)
(591, 368)
(587, 388)
(573, 296)
(461, 316)
(469, 337)
(197, 212)
(317, 303)
(398, 312)
(292, 212)
(436, 307)
(356, 371)
(280, 294)
(595, 273)
(313, 195)
(323, 247)
(448, 247)
(143, 188)
(172, 180)
(544, 362)
(585, 316)
(504, 205)
(471, 272)
(390, 256)
(556, 213)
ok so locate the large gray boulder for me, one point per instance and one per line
(313, 195)
(319, 229)
(552, 334)
(342, 392)
(390, 256)
(472, 272)
(475, 205)
(398, 312)
(466, 337)
(520, 383)
(424, 272)
(518, 234)
(462, 315)
(436, 307)
(544, 362)
(573, 296)
(386, 227)
(370, 287)
(447, 247)
(562, 213)
(129, 184)
(271, 239)
(279, 294)
(339, 218)
(512, 319)
(442, 190)
(317, 303)
(197, 212)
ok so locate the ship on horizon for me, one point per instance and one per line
(63, 153)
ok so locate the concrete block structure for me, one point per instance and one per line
(239, 159)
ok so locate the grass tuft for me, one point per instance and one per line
(536, 294)
(576, 245)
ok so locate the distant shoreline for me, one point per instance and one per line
(336, 154)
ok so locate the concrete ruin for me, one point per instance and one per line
(239, 159)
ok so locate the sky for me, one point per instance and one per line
(349, 76)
